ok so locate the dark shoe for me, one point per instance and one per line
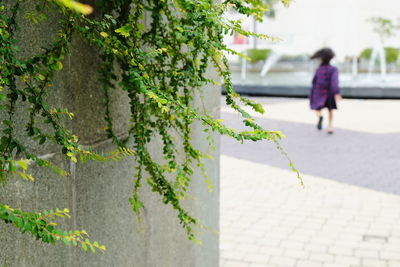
(329, 132)
(319, 125)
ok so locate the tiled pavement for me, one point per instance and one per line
(348, 214)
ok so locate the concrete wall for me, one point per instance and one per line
(97, 193)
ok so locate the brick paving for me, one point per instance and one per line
(347, 215)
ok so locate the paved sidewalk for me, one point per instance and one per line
(344, 217)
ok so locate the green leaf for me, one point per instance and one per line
(104, 34)
(19, 222)
(23, 164)
(91, 248)
(66, 242)
(28, 226)
(42, 140)
(84, 246)
(124, 30)
(23, 175)
(59, 65)
(259, 108)
(76, 6)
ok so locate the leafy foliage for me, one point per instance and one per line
(384, 27)
(159, 64)
(256, 55)
(391, 54)
(76, 6)
(43, 227)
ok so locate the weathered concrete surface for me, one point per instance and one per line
(97, 193)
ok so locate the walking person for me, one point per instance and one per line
(325, 87)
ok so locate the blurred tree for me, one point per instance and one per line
(384, 27)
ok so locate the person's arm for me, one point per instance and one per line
(335, 84)
(314, 80)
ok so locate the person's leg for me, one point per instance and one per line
(320, 118)
(330, 120)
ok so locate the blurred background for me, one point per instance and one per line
(348, 212)
(363, 33)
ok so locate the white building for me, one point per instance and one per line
(307, 25)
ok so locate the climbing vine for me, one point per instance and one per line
(158, 52)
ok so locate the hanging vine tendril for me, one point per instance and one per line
(158, 51)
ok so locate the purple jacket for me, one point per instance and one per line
(325, 85)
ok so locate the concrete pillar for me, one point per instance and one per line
(97, 193)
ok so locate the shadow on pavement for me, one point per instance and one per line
(357, 158)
